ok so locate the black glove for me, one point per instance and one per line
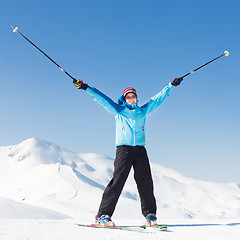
(79, 84)
(176, 81)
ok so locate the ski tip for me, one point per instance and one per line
(226, 53)
(163, 227)
(144, 226)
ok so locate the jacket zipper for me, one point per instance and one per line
(143, 133)
(134, 140)
(134, 130)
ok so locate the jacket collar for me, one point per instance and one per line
(123, 103)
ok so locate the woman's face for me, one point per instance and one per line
(131, 98)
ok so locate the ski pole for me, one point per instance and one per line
(226, 53)
(16, 30)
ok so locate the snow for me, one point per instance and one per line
(10, 209)
(46, 189)
(41, 229)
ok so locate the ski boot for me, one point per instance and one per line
(152, 222)
(103, 221)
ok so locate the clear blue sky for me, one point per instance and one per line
(112, 45)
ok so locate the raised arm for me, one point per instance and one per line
(157, 100)
(100, 98)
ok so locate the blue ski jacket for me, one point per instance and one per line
(130, 119)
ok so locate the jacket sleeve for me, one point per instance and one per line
(157, 100)
(104, 100)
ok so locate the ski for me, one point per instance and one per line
(142, 228)
(157, 227)
(124, 228)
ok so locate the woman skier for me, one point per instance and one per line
(130, 150)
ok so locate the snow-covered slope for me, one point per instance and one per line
(10, 209)
(45, 175)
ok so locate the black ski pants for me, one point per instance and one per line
(126, 158)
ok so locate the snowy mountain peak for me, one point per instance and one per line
(32, 147)
(36, 151)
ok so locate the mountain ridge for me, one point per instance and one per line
(44, 174)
